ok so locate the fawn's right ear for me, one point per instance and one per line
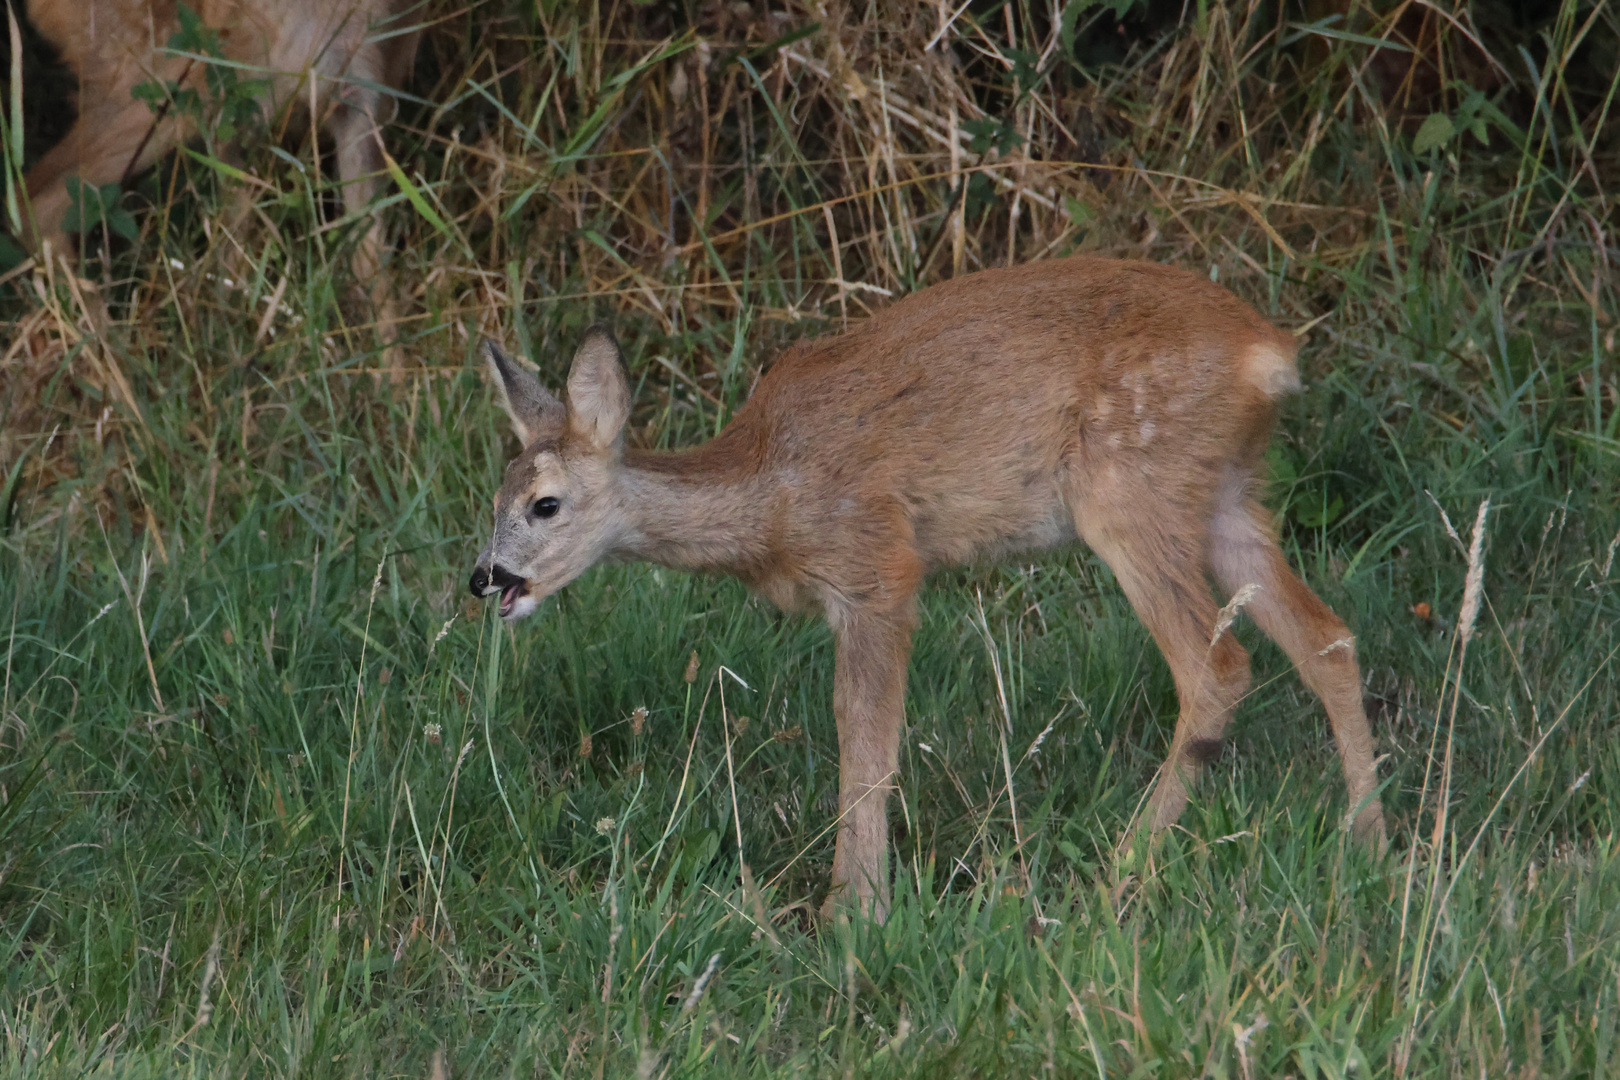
(530, 406)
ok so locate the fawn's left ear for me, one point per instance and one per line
(598, 393)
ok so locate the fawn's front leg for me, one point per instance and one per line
(869, 691)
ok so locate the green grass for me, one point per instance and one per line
(275, 800)
(370, 893)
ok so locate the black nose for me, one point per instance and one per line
(498, 576)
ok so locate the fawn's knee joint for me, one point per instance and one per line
(1341, 650)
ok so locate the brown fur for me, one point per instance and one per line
(1125, 404)
(115, 45)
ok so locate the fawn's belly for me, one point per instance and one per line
(993, 518)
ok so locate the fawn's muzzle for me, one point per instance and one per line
(498, 578)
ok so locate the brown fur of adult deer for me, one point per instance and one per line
(335, 55)
(1125, 404)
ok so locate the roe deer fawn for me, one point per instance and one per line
(1125, 404)
(339, 56)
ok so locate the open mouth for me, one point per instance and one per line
(510, 596)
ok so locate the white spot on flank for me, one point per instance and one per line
(1147, 431)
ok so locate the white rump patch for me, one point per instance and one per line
(1271, 371)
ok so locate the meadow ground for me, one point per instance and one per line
(275, 800)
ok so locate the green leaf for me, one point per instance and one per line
(122, 222)
(1437, 130)
(981, 192)
(89, 206)
(991, 132)
(1078, 212)
(1283, 472)
(1314, 515)
(1026, 68)
(152, 92)
(1066, 25)
(10, 254)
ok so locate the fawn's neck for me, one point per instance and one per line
(696, 509)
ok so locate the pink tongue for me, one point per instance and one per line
(508, 598)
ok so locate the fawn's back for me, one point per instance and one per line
(967, 412)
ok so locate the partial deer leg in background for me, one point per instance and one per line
(358, 138)
(100, 148)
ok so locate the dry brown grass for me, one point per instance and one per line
(718, 177)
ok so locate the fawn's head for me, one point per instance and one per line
(558, 511)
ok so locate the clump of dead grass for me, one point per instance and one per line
(721, 178)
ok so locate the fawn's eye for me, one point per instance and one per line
(546, 507)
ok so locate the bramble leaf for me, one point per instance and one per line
(1436, 131)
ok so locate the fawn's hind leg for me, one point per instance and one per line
(1156, 550)
(1244, 552)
